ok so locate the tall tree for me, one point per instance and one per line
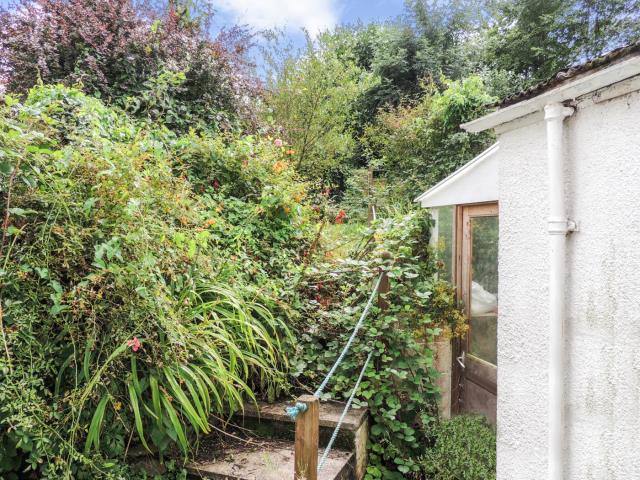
(536, 38)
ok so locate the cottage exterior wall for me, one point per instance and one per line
(602, 332)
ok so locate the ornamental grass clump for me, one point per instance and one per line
(134, 307)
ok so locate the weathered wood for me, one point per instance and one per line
(385, 286)
(485, 375)
(307, 439)
(371, 215)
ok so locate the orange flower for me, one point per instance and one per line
(291, 151)
(279, 166)
(209, 222)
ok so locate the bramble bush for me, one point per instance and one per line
(399, 385)
(145, 283)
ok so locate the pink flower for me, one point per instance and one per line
(134, 343)
(278, 142)
(216, 184)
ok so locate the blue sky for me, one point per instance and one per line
(314, 15)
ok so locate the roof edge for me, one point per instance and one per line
(468, 166)
(572, 89)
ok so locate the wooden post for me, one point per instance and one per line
(384, 285)
(307, 439)
(371, 215)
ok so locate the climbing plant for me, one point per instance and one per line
(399, 387)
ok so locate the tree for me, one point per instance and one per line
(536, 38)
(128, 56)
(311, 98)
(447, 31)
(414, 147)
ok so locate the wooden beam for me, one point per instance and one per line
(385, 286)
(307, 439)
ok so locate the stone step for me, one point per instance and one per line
(270, 420)
(267, 460)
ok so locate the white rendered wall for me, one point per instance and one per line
(602, 414)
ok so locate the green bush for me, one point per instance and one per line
(145, 283)
(399, 386)
(415, 146)
(464, 448)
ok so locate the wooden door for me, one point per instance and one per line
(476, 361)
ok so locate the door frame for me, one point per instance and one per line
(477, 370)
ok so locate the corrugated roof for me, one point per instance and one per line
(572, 72)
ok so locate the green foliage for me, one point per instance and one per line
(464, 448)
(159, 60)
(145, 282)
(417, 146)
(399, 386)
(311, 98)
(534, 39)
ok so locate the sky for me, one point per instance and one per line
(292, 15)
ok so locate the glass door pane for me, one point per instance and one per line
(484, 288)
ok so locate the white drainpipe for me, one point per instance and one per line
(559, 226)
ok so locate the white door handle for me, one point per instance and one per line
(460, 360)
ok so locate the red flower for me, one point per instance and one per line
(134, 343)
(341, 216)
(216, 184)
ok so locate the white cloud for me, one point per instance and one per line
(314, 15)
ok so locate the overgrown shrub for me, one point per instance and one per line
(464, 448)
(399, 385)
(415, 146)
(160, 64)
(145, 283)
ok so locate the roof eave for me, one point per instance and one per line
(587, 83)
(461, 171)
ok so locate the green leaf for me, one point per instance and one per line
(155, 399)
(93, 437)
(175, 422)
(133, 398)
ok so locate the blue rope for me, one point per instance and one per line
(351, 338)
(344, 414)
(297, 409)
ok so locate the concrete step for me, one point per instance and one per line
(270, 421)
(267, 460)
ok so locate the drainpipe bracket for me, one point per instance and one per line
(561, 226)
(555, 111)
